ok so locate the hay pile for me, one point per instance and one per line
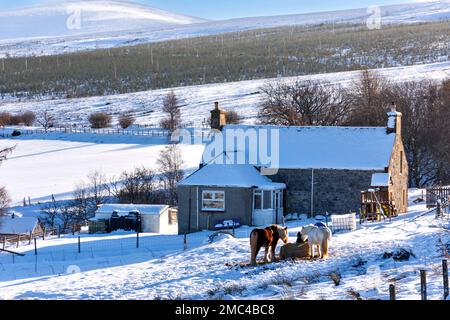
(295, 251)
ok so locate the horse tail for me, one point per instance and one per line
(325, 247)
(253, 246)
(330, 235)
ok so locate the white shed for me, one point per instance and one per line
(154, 218)
(19, 226)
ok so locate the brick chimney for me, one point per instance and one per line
(394, 121)
(218, 117)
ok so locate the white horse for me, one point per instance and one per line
(317, 236)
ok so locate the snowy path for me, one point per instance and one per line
(201, 272)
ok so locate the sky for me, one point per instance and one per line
(227, 9)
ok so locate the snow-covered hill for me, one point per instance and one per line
(124, 24)
(66, 18)
(197, 101)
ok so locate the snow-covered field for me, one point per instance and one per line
(110, 266)
(43, 30)
(197, 101)
(53, 163)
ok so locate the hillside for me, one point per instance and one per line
(197, 101)
(81, 18)
(155, 25)
(267, 53)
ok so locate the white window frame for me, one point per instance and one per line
(214, 199)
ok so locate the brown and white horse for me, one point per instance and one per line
(267, 238)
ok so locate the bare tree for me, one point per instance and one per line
(370, 97)
(137, 186)
(5, 200)
(45, 119)
(232, 117)
(28, 118)
(4, 118)
(126, 120)
(170, 166)
(4, 153)
(172, 110)
(15, 120)
(303, 103)
(100, 120)
(50, 212)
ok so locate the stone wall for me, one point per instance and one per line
(335, 191)
(398, 169)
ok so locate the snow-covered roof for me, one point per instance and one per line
(353, 148)
(23, 225)
(125, 209)
(238, 176)
(380, 180)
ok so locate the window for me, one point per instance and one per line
(267, 200)
(257, 199)
(401, 162)
(213, 200)
(262, 200)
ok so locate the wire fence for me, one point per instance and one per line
(82, 252)
(105, 131)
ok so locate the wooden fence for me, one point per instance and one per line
(18, 239)
(435, 194)
(70, 130)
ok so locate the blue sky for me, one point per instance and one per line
(224, 9)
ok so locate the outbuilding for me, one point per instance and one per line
(11, 226)
(141, 218)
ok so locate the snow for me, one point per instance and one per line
(145, 24)
(18, 225)
(111, 267)
(54, 163)
(238, 176)
(68, 18)
(198, 101)
(352, 148)
(125, 209)
(380, 180)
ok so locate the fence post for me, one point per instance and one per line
(445, 275)
(392, 292)
(423, 284)
(59, 231)
(43, 233)
(73, 229)
(35, 247)
(18, 240)
(79, 244)
(137, 240)
(4, 242)
(185, 241)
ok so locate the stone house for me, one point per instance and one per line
(258, 173)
